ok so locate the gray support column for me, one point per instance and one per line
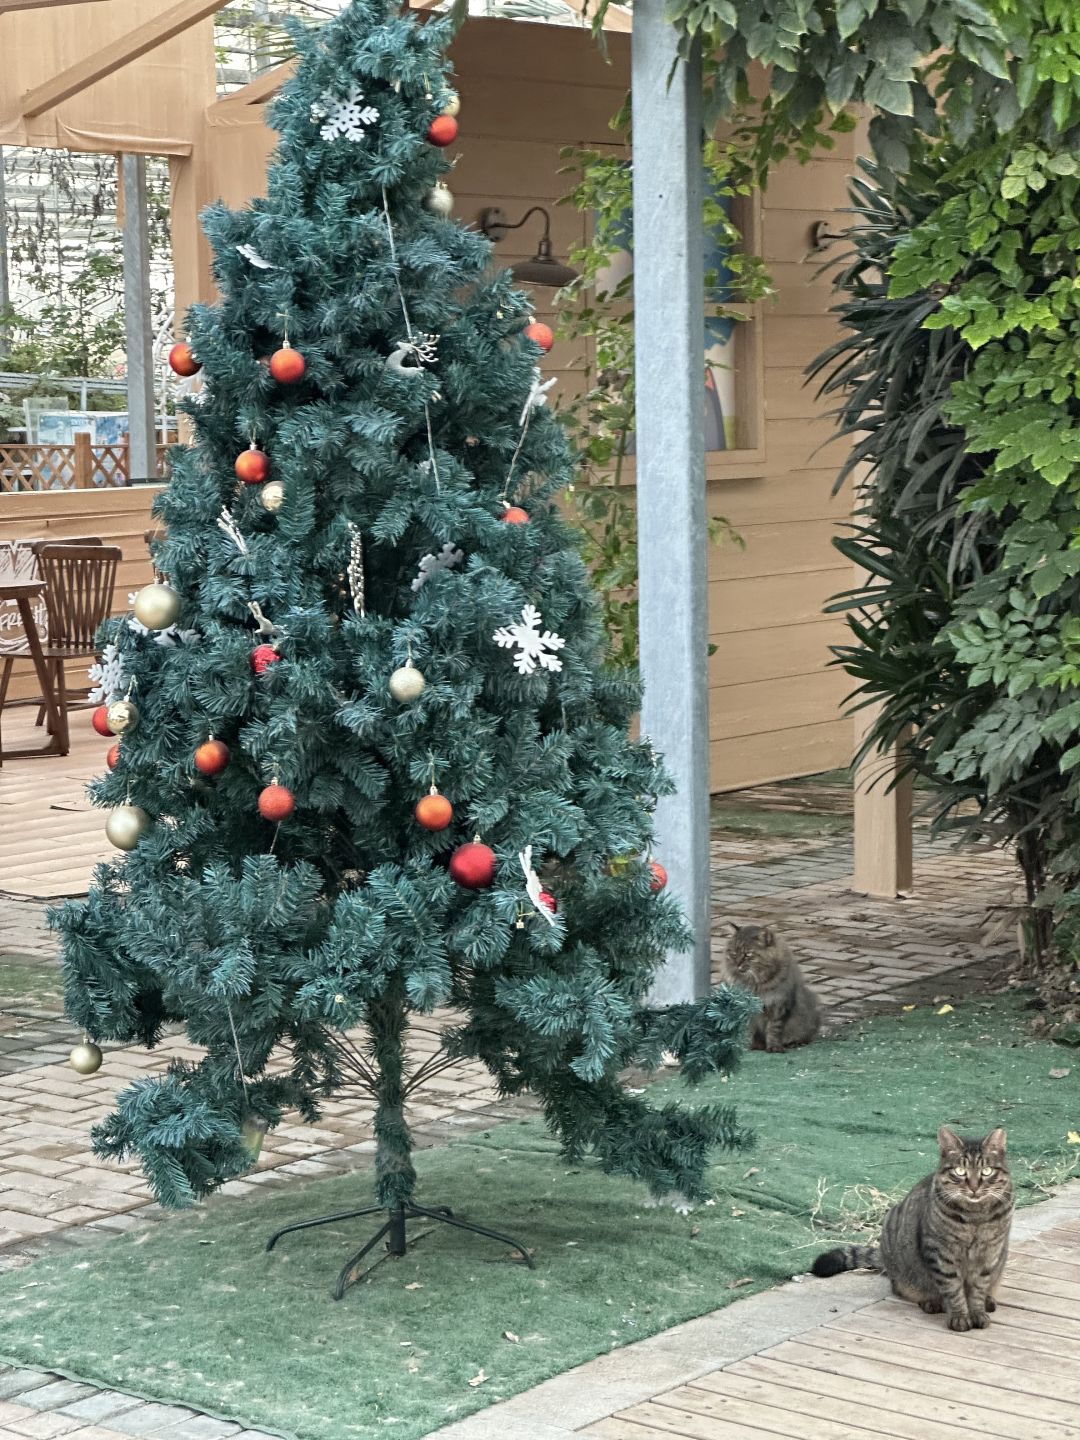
(672, 533)
(140, 363)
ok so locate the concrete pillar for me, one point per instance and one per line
(672, 530)
(138, 321)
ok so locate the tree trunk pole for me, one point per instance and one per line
(142, 449)
(669, 337)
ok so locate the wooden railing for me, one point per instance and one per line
(82, 466)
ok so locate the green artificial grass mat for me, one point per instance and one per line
(194, 1311)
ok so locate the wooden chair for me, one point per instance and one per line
(79, 580)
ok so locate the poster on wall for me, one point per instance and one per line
(721, 417)
(18, 565)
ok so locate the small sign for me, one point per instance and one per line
(18, 565)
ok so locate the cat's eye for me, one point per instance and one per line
(987, 1171)
(959, 1171)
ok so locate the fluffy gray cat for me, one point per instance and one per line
(759, 960)
(945, 1244)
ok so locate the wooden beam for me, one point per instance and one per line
(117, 53)
(6, 5)
(256, 92)
(883, 848)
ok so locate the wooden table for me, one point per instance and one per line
(22, 592)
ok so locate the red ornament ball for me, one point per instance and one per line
(262, 657)
(473, 865)
(112, 759)
(287, 365)
(276, 803)
(659, 875)
(182, 360)
(252, 466)
(211, 757)
(549, 902)
(514, 515)
(434, 811)
(540, 334)
(443, 130)
(100, 721)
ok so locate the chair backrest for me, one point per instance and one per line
(35, 545)
(79, 584)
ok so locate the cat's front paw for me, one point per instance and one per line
(991, 1305)
(979, 1319)
(931, 1307)
(961, 1322)
(774, 1047)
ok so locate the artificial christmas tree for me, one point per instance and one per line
(379, 765)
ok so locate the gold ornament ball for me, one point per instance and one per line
(85, 1058)
(407, 684)
(453, 104)
(157, 606)
(439, 201)
(126, 826)
(272, 495)
(122, 715)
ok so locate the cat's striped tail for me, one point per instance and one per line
(847, 1257)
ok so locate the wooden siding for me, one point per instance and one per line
(117, 516)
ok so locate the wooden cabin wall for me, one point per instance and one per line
(116, 516)
(528, 91)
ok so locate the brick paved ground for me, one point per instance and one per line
(782, 853)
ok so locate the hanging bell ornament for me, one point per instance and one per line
(126, 826)
(407, 683)
(157, 607)
(253, 1130)
(182, 360)
(123, 715)
(252, 466)
(85, 1058)
(272, 496)
(439, 201)
(287, 365)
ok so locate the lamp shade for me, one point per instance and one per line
(543, 269)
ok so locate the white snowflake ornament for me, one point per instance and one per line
(348, 119)
(108, 677)
(430, 565)
(537, 395)
(533, 647)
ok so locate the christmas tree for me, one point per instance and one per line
(370, 760)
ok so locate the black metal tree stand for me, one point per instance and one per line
(394, 1231)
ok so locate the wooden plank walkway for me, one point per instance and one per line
(890, 1370)
(50, 836)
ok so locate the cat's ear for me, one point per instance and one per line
(768, 936)
(994, 1146)
(949, 1143)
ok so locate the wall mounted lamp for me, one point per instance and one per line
(543, 268)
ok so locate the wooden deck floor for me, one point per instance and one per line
(50, 835)
(889, 1370)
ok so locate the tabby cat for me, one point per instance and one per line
(758, 959)
(945, 1244)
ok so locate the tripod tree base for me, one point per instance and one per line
(393, 1230)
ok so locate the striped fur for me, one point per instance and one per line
(759, 959)
(944, 1246)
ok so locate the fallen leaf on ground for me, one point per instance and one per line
(1073, 1137)
(1059, 1074)
(754, 1170)
(514, 1339)
(738, 1284)
(945, 1010)
(416, 1285)
(908, 1007)
(477, 1379)
(695, 1231)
